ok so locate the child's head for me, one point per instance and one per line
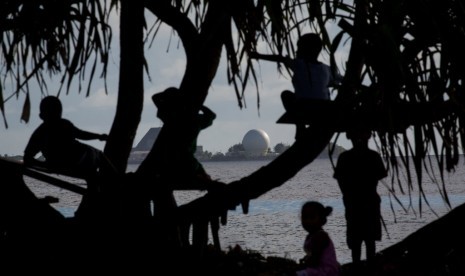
(309, 46)
(50, 108)
(314, 215)
(359, 136)
(170, 103)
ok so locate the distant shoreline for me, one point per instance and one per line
(231, 159)
(222, 159)
(200, 159)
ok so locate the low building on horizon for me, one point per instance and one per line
(140, 151)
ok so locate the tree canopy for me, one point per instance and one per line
(56, 37)
(420, 42)
(403, 77)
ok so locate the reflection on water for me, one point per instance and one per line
(273, 225)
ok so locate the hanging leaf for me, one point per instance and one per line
(26, 114)
(2, 106)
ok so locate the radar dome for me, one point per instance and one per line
(256, 142)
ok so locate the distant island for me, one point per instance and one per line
(236, 153)
(254, 146)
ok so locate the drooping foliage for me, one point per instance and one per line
(402, 56)
(403, 71)
(68, 38)
(405, 62)
(411, 56)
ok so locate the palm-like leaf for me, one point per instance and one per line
(58, 37)
(401, 52)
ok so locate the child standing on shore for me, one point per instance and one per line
(358, 172)
(320, 258)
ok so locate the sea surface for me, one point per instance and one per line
(272, 226)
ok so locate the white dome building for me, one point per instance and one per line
(256, 142)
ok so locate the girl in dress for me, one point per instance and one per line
(320, 258)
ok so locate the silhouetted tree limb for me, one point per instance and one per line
(268, 177)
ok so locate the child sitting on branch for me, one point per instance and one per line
(56, 138)
(311, 78)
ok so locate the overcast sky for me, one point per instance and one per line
(167, 63)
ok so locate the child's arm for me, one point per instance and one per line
(86, 135)
(31, 151)
(30, 161)
(206, 118)
(276, 58)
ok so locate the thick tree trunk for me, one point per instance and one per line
(435, 249)
(131, 88)
(204, 53)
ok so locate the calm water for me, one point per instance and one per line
(272, 226)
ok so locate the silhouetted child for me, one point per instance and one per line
(182, 127)
(311, 78)
(56, 138)
(320, 258)
(358, 171)
(182, 124)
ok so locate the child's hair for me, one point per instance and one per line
(358, 131)
(311, 42)
(320, 209)
(50, 108)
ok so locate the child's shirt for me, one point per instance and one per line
(311, 80)
(327, 264)
(56, 140)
